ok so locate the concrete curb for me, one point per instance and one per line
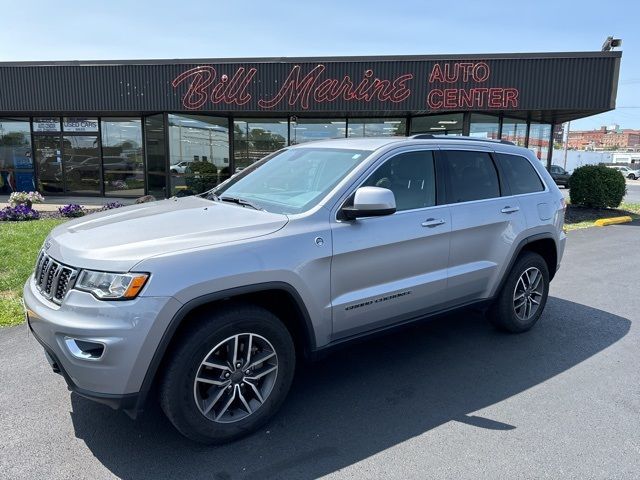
(603, 222)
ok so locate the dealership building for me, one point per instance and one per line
(165, 127)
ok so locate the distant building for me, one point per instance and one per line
(605, 138)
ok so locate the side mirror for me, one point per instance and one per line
(371, 202)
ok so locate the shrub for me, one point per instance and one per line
(597, 186)
(18, 213)
(72, 210)
(203, 176)
(28, 198)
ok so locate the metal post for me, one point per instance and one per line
(566, 144)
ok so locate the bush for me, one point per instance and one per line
(25, 198)
(597, 186)
(203, 176)
(18, 213)
(72, 210)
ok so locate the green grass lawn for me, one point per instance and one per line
(576, 218)
(19, 246)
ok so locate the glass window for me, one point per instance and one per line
(294, 180)
(198, 153)
(376, 127)
(80, 124)
(446, 124)
(81, 164)
(470, 176)
(255, 139)
(484, 126)
(156, 155)
(16, 164)
(411, 178)
(539, 135)
(519, 174)
(122, 158)
(514, 130)
(48, 154)
(310, 129)
(46, 124)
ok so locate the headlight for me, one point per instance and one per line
(111, 286)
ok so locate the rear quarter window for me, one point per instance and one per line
(519, 174)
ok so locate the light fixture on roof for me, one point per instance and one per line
(448, 122)
(610, 43)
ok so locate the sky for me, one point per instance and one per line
(139, 29)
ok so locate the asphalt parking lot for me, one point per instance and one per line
(451, 398)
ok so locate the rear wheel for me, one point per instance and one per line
(228, 375)
(523, 296)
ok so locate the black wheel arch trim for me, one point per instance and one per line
(516, 254)
(186, 308)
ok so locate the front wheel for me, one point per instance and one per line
(228, 374)
(523, 296)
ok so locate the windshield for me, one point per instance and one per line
(291, 181)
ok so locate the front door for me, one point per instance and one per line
(48, 161)
(391, 268)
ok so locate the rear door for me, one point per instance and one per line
(484, 225)
(391, 268)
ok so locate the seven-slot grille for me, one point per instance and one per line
(53, 280)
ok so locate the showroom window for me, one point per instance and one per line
(376, 127)
(484, 126)
(514, 130)
(539, 136)
(254, 139)
(156, 156)
(122, 156)
(446, 124)
(198, 153)
(16, 163)
(310, 129)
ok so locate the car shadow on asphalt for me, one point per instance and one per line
(364, 399)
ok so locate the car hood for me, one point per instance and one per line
(118, 239)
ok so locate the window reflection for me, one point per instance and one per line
(81, 163)
(484, 126)
(539, 135)
(446, 124)
(16, 164)
(122, 158)
(156, 155)
(255, 139)
(514, 130)
(198, 153)
(310, 129)
(377, 127)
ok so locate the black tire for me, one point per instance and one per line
(502, 313)
(177, 385)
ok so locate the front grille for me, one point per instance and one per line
(53, 279)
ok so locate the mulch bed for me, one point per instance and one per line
(576, 214)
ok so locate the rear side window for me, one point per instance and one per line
(519, 174)
(470, 176)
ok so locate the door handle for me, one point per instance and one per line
(508, 209)
(433, 222)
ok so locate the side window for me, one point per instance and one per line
(411, 178)
(471, 176)
(519, 174)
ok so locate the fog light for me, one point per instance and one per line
(84, 349)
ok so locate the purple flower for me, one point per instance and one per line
(18, 213)
(71, 210)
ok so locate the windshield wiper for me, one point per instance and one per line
(240, 201)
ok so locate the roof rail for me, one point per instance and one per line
(429, 136)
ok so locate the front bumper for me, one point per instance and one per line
(130, 332)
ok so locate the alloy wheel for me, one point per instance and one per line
(528, 293)
(235, 378)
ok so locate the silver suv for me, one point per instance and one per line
(208, 301)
